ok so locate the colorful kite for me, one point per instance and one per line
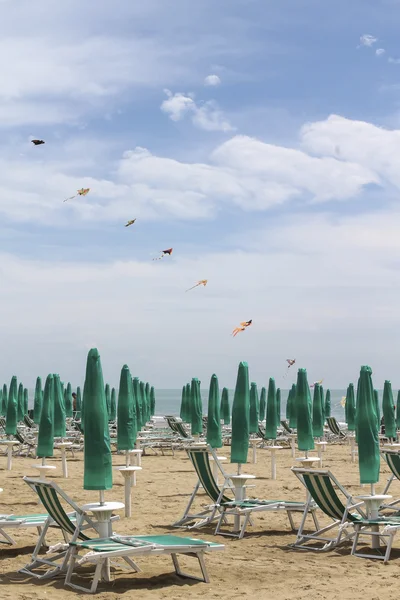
(201, 282)
(130, 222)
(37, 142)
(343, 401)
(242, 327)
(81, 192)
(290, 362)
(315, 382)
(164, 253)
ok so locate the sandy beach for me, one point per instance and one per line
(260, 563)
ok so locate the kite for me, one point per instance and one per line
(242, 327)
(201, 282)
(37, 142)
(343, 401)
(81, 192)
(164, 253)
(130, 222)
(290, 362)
(315, 382)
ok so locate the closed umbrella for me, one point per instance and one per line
(26, 401)
(327, 409)
(182, 412)
(388, 411)
(68, 401)
(241, 417)
(138, 405)
(350, 407)
(37, 401)
(59, 408)
(1, 402)
(97, 450)
(12, 408)
(254, 408)
(113, 414)
(126, 423)
(377, 409)
(288, 405)
(367, 430)
(263, 403)
(293, 408)
(305, 440)
(108, 400)
(148, 410)
(45, 446)
(318, 418)
(152, 401)
(78, 401)
(196, 407)
(272, 412)
(5, 400)
(214, 437)
(20, 402)
(278, 404)
(225, 408)
(397, 409)
(143, 402)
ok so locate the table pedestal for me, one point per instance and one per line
(273, 450)
(293, 437)
(129, 474)
(10, 444)
(137, 455)
(254, 442)
(63, 447)
(353, 448)
(239, 482)
(320, 448)
(215, 466)
(372, 504)
(43, 470)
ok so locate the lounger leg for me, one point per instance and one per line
(289, 514)
(8, 538)
(180, 573)
(97, 575)
(132, 564)
(72, 561)
(243, 529)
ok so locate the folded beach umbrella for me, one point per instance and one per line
(196, 407)
(214, 437)
(225, 409)
(397, 409)
(182, 411)
(188, 404)
(272, 422)
(152, 401)
(37, 401)
(78, 400)
(1, 402)
(20, 402)
(108, 400)
(327, 407)
(350, 408)
(388, 411)
(97, 450)
(317, 414)
(288, 405)
(367, 430)
(263, 404)
(142, 389)
(59, 408)
(12, 408)
(377, 409)
(138, 402)
(254, 408)
(126, 423)
(113, 414)
(278, 404)
(26, 401)
(241, 417)
(148, 408)
(68, 401)
(305, 440)
(293, 408)
(5, 400)
(45, 446)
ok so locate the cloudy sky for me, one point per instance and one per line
(260, 140)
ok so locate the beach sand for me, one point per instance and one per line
(259, 564)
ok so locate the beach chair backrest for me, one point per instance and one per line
(20, 438)
(50, 495)
(180, 429)
(260, 432)
(334, 426)
(320, 486)
(393, 461)
(201, 463)
(2, 422)
(28, 421)
(172, 423)
(286, 427)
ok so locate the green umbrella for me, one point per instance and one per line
(26, 401)
(241, 417)
(293, 408)
(188, 404)
(97, 450)
(12, 408)
(1, 402)
(152, 401)
(318, 417)
(288, 405)
(377, 410)
(45, 445)
(108, 400)
(78, 402)
(225, 410)
(278, 404)
(305, 440)
(143, 402)
(388, 411)
(350, 408)
(196, 407)
(367, 430)
(263, 403)
(138, 401)
(214, 437)
(126, 423)
(254, 408)
(272, 422)
(20, 402)
(327, 408)
(68, 401)
(397, 409)
(37, 401)
(182, 412)
(59, 408)
(148, 407)
(113, 414)
(5, 400)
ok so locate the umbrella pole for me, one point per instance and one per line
(372, 489)
(101, 497)
(43, 460)
(127, 458)
(239, 468)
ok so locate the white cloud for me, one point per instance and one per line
(205, 116)
(394, 61)
(380, 52)
(368, 40)
(212, 80)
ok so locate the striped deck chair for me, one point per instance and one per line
(334, 428)
(20, 522)
(72, 525)
(27, 445)
(322, 488)
(286, 427)
(102, 550)
(223, 506)
(393, 461)
(29, 422)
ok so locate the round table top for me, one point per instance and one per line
(309, 460)
(107, 506)
(241, 477)
(320, 443)
(374, 497)
(62, 444)
(135, 451)
(44, 467)
(10, 442)
(273, 447)
(130, 469)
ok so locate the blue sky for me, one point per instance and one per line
(260, 140)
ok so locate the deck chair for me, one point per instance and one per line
(103, 550)
(286, 427)
(72, 525)
(27, 445)
(20, 522)
(334, 428)
(393, 461)
(29, 422)
(223, 506)
(322, 488)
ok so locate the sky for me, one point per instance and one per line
(260, 140)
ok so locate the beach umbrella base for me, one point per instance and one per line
(129, 474)
(293, 437)
(273, 450)
(63, 447)
(239, 482)
(136, 454)
(10, 444)
(254, 442)
(308, 461)
(321, 446)
(372, 503)
(215, 466)
(353, 448)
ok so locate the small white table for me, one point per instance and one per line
(129, 474)
(353, 450)
(63, 447)
(273, 450)
(394, 446)
(43, 469)
(308, 462)
(137, 455)
(239, 482)
(320, 447)
(9, 444)
(293, 437)
(254, 442)
(372, 504)
(215, 466)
